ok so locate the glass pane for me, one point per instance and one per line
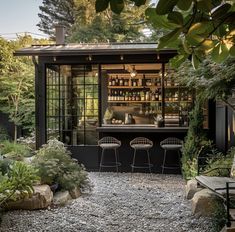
(72, 103)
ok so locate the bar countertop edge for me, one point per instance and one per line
(141, 129)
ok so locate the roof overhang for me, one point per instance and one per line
(93, 49)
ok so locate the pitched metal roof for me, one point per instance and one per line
(91, 49)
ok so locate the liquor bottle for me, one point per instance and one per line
(110, 81)
(156, 95)
(118, 96)
(111, 96)
(113, 82)
(138, 96)
(125, 97)
(147, 96)
(152, 96)
(134, 82)
(160, 96)
(133, 97)
(115, 95)
(121, 82)
(117, 81)
(142, 97)
(140, 82)
(121, 96)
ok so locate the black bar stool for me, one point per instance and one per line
(107, 143)
(141, 143)
(170, 144)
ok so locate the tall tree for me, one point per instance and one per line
(110, 27)
(84, 25)
(54, 12)
(17, 83)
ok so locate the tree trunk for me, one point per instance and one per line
(15, 133)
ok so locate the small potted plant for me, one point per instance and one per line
(108, 115)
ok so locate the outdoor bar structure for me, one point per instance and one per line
(126, 90)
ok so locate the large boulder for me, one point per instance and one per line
(204, 202)
(61, 198)
(41, 199)
(75, 193)
(191, 188)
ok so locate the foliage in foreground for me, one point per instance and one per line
(18, 182)
(219, 164)
(195, 28)
(55, 165)
(15, 151)
(195, 142)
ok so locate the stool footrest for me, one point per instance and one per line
(110, 164)
(170, 167)
(142, 166)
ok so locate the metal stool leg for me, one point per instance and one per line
(116, 159)
(150, 171)
(101, 160)
(164, 160)
(133, 161)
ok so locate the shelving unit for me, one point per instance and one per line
(147, 95)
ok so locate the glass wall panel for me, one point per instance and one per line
(72, 103)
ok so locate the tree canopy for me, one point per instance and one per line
(195, 27)
(84, 25)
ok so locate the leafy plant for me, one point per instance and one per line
(3, 134)
(55, 165)
(5, 165)
(14, 150)
(218, 164)
(219, 216)
(194, 141)
(18, 182)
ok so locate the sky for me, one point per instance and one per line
(19, 16)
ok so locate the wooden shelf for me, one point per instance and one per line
(178, 101)
(175, 87)
(133, 101)
(134, 87)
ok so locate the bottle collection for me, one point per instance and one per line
(147, 89)
(150, 95)
(133, 82)
(120, 95)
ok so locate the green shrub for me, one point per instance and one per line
(195, 142)
(14, 151)
(18, 182)
(55, 165)
(3, 134)
(218, 217)
(219, 164)
(4, 165)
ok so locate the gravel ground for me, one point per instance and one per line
(117, 203)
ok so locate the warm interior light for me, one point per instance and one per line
(133, 72)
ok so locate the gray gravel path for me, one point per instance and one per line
(117, 204)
